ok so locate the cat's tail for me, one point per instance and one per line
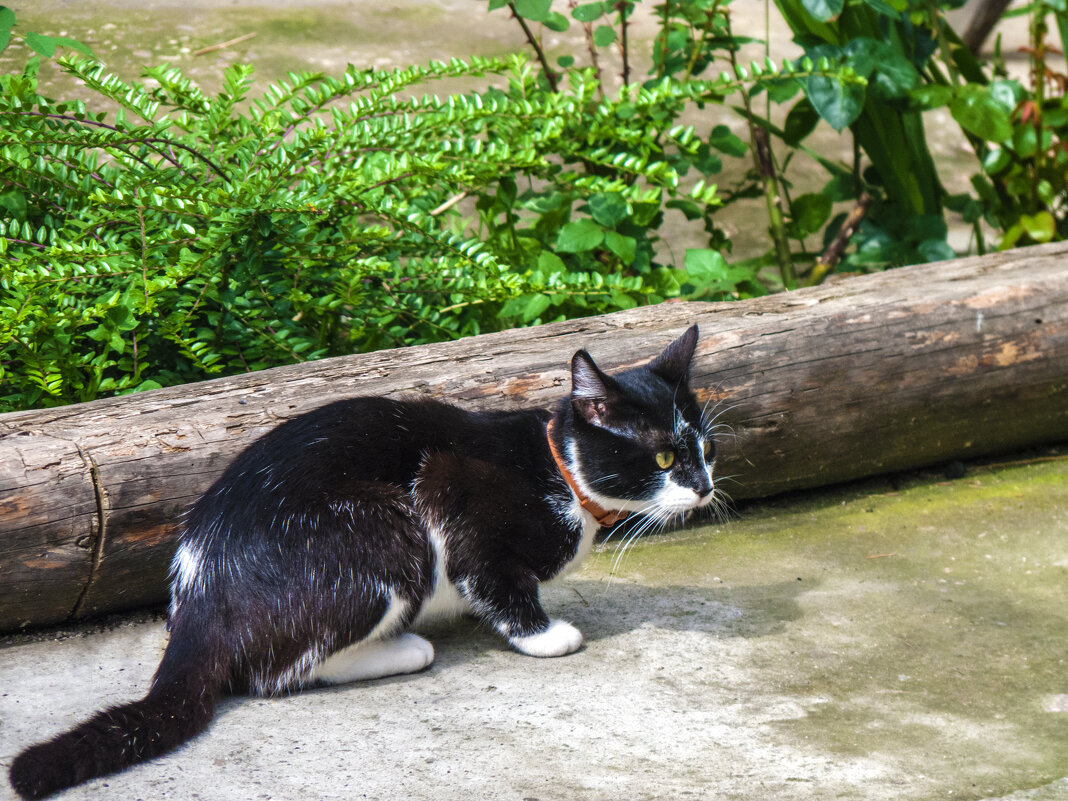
(179, 705)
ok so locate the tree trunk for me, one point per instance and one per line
(867, 375)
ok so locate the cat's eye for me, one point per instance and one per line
(665, 459)
(706, 448)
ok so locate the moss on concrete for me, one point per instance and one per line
(929, 626)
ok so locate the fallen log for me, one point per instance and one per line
(868, 375)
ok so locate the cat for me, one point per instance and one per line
(327, 539)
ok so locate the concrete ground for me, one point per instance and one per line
(896, 639)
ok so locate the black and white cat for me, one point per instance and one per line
(327, 539)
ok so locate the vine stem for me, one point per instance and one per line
(587, 30)
(765, 167)
(550, 76)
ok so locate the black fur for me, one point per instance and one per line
(325, 523)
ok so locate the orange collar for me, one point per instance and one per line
(604, 517)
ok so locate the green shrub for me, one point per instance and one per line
(185, 236)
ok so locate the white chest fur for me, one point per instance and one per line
(589, 528)
(444, 601)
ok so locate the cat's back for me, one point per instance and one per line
(321, 454)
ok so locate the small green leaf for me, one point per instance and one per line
(924, 98)
(604, 35)
(588, 12)
(45, 45)
(1008, 93)
(7, 22)
(823, 10)
(800, 122)
(935, 250)
(781, 89)
(996, 160)
(1025, 141)
(534, 10)
(14, 203)
(689, 209)
(921, 227)
(579, 236)
(1040, 226)
(724, 141)
(74, 44)
(608, 208)
(879, 7)
(810, 211)
(556, 22)
(565, 61)
(707, 162)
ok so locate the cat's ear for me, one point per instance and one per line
(592, 391)
(673, 365)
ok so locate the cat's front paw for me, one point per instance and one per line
(559, 639)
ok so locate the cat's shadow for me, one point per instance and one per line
(607, 609)
(603, 610)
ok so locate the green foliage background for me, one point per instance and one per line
(190, 235)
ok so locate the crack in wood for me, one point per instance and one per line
(98, 536)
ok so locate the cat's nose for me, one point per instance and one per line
(703, 491)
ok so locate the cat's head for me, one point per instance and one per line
(638, 440)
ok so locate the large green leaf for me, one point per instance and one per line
(624, 247)
(608, 208)
(710, 273)
(978, 112)
(534, 306)
(839, 104)
(579, 236)
(706, 267)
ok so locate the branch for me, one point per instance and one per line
(550, 76)
(223, 45)
(830, 257)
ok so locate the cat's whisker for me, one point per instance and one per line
(631, 527)
(654, 518)
(603, 479)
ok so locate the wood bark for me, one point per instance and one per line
(867, 375)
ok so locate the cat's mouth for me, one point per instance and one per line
(677, 499)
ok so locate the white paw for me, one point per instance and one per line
(414, 653)
(408, 653)
(559, 639)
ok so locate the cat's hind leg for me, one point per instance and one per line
(374, 659)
